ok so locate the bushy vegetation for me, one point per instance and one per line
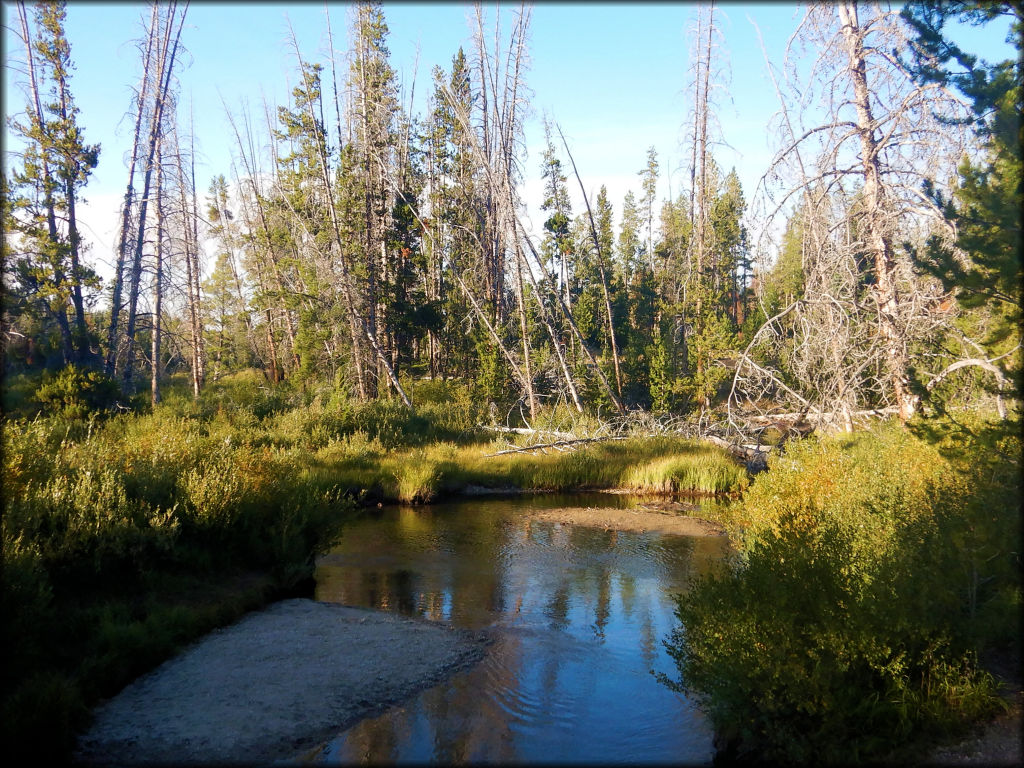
(125, 536)
(117, 525)
(873, 571)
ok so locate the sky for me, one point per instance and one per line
(615, 77)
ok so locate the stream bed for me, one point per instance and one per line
(577, 615)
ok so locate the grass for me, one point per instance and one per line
(664, 465)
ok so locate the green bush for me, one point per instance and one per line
(853, 616)
(76, 393)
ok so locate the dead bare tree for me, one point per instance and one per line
(600, 266)
(856, 170)
(158, 277)
(165, 30)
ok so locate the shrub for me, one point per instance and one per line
(76, 393)
(846, 624)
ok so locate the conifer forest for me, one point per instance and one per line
(381, 297)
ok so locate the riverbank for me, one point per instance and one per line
(640, 520)
(279, 681)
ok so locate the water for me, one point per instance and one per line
(579, 615)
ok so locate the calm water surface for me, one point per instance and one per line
(579, 615)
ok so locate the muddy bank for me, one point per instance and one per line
(277, 682)
(662, 519)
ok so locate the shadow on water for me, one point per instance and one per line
(578, 615)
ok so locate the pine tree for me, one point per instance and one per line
(39, 200)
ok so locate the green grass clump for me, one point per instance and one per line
(703, 471)
(417, 478)
(871, 572)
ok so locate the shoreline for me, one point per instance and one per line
(274, 684)
(637, 520)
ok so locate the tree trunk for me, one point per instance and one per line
(165, 65)
(531, 397)
(124, 237)
(878, 240)
(157, 280)
(59, 311)
(601, 269)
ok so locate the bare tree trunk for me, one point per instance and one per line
(555, 342)
(368, 329)
(81, 331)
(601, 269)
(353, 323)
(531, 397)
(702, 187)
(579, 336)
(165, 66)
(38, 119)
(885, 291)
(126, 211)
(248, 160)
(157, 280)
(199, 360)
(191, 254)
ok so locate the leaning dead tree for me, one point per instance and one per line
(850, 167)
(153, 102)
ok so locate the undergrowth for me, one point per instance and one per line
(873, 571)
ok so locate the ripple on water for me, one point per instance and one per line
(578, 614)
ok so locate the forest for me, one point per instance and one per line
(359, 314)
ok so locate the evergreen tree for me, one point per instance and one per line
(45, 273)
(983, 265)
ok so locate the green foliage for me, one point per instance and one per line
(104, 513)
(852, 619)
(984, 209)
(77, 393)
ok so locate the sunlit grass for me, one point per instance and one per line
(663, 466)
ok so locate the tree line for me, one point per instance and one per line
(359, 243)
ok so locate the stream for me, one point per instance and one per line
(578, 615)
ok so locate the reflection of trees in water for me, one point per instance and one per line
(471, 566)
(451, 723)
(604, 601)
(466, 725)
(375, 740)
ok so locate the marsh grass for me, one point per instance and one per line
(413, 475)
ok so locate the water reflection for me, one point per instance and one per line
(578, 615)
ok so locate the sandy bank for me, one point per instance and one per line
(279, 681)
(639, 519)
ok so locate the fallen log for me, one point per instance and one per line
(525, 431)
(754, 457)
(557, 445)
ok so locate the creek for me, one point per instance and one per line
(578, 615)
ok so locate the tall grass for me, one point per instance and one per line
(669, 466)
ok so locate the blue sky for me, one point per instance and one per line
(613, 75)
